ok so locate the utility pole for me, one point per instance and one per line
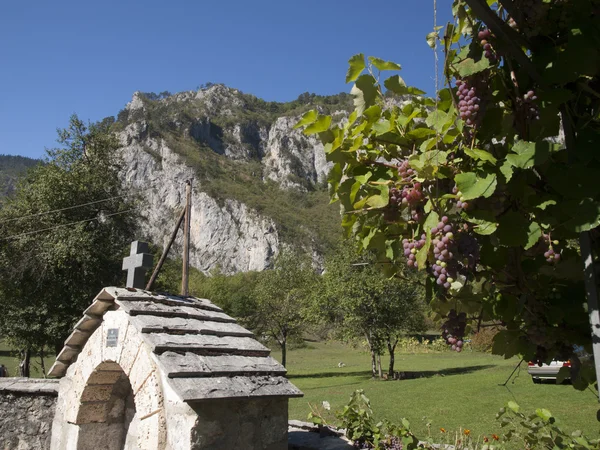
(186, 239)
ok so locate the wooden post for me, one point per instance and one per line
(591, 286)
(165, 251)
(186, 239)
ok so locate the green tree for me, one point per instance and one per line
(282, 297)
(234, 293)
(365, 304)
(477, 173)
(55, 257)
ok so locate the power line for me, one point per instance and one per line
(71, 207)
(14, 236)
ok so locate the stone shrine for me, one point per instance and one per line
(152, 371)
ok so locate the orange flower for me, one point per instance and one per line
(496, 437)
(443, 430)
(486, 439)
(467, 432)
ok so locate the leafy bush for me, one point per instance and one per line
(413, 345)
(483, 340)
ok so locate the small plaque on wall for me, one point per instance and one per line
(112, 337)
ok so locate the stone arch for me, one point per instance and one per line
(106, 411)
(116, 387)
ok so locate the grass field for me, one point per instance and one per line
(10, 360)
(457, 390)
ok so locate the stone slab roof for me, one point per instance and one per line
(203, 352)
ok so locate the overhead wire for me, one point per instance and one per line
(28, 233)
(12, 219)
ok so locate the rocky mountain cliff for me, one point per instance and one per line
(258, 184)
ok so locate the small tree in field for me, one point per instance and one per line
(282, 295)
(475, 187)
(365, 304)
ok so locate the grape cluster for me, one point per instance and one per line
(461, 203)
(410, 194)
(454, 330)
(411, 247)
(484, 37)
(443, 240)
(532, 110)
(469, 103)
(468, 247)
(551, 255)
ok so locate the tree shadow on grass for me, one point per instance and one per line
(404, 375)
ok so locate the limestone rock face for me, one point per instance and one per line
(291, 156)
(239, 127)
(229, 235)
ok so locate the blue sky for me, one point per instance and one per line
(88, 57)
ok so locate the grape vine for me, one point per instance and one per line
(485, 189)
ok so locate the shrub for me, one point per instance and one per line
(483, 340)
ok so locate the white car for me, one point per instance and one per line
(546, 371)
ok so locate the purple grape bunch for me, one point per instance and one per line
(460, 203)
(453, 330)
(532, 109)
(443, 242)
(410, 194)
(488, 51)
(468, 247)
(468, 102)
(411, 247)
(551, 255)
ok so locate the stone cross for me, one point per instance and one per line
(136, 264)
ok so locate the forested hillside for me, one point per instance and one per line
(10, 169)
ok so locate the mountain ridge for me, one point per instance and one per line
(259, 184)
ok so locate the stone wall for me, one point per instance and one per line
(224, 424)
(26, 413)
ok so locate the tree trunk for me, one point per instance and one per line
(284, 350)
(391, 351)
(24, 365)
(373, 356)
(42, 365)
(379, 369)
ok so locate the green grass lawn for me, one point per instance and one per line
(458, 389)
(10, 359)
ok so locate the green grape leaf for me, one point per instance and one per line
(483, 227)
(420, 133)
(373, 113)
(585, 215)
(544, 414)
(529, 154)
(384, 65)
(469, 67)
(438, 119)
(308, 118)
(533, 235)
(482, 155)
(513, 406)
(380, 200)
(432, 38)
(357, 65)
(432, 220)
(382, 127)
(396, 84)
(471, 186)
(364, 93)
(321, 124)
(507, 170)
